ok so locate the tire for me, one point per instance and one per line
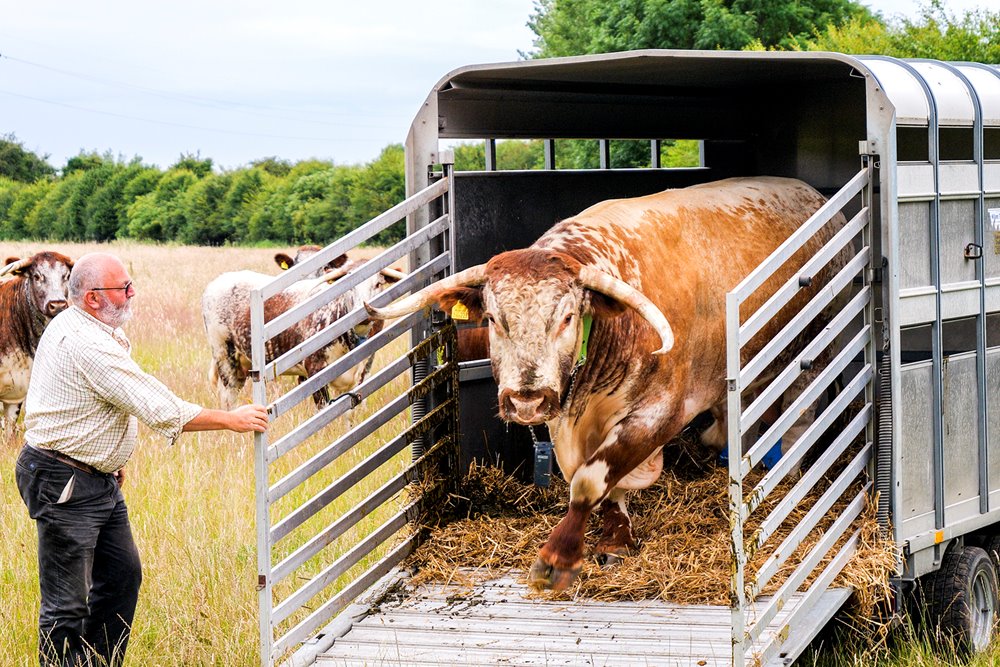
(962, 599)
(992, 547)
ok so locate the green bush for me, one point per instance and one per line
(160, 215)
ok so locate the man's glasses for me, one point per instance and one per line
(126, 288)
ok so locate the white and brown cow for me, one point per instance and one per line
(33, 290)
(226, 313)
(651, 275)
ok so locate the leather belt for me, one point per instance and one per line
(62, 458)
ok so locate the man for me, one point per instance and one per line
(81, 413)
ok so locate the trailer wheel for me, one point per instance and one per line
(962, 598)
(992, 548)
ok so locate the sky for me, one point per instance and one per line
(237, 81)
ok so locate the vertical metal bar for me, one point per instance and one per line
(737, 589)
(261, 483)
(604, 148)
(549, 146)
(937, 330)
(937, 382)
(984, 505)
(491, 155)
(867, 194)
(449, 209)
(980, 235)
(654, 153)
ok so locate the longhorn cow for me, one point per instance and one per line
(648, 277)
(37, 292)
(226, 314)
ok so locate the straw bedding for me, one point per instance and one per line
(496, 524)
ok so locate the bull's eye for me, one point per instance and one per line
(566, 321)
(494, 325)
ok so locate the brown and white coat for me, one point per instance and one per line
(653, 273)
(226, 314)
(33, 290)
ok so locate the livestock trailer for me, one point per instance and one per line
(908, 150)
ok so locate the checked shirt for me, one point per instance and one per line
(86, 394)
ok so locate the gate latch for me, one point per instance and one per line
(973, 251)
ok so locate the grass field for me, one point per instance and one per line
(192, 505)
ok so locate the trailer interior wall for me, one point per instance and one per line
(795, 115)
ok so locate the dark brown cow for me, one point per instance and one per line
(651, 274)
(37, 291)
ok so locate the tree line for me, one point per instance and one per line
(101, 198)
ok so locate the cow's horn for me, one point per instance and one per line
(335, 274)
(623, 292)
(14, 266)
(471, 277)
(394, 274)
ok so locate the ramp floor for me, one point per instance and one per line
(496, 623)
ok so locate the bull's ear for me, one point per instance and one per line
(337, 263)
(462, 303)
(603, 307)
(283, 260)
(10, 260)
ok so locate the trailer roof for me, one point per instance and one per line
(697, 94)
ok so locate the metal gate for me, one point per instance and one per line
(339, 527)
(848, 341)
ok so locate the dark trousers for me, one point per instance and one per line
(88, 565)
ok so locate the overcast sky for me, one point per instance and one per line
(240, 80)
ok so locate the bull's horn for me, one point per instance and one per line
(14, 266)
(471, 277)
(624, 293)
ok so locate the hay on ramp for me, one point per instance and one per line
(682, 523)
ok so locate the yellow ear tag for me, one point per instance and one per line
(284, 265)
(459, 311)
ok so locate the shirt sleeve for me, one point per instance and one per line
(118, 380)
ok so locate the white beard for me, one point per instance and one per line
(116, 316)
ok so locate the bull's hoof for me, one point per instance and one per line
(610, 560)
(543, 576)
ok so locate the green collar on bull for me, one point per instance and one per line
(588, 321)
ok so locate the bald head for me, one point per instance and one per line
(90, 271)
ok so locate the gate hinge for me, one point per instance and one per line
(261, 582)
(873, 275)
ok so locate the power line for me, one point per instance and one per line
(174, 124)
(229, 105)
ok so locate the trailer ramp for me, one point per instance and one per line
(498, 622)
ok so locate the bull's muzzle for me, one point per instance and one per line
(53, 308)
(529, 407)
